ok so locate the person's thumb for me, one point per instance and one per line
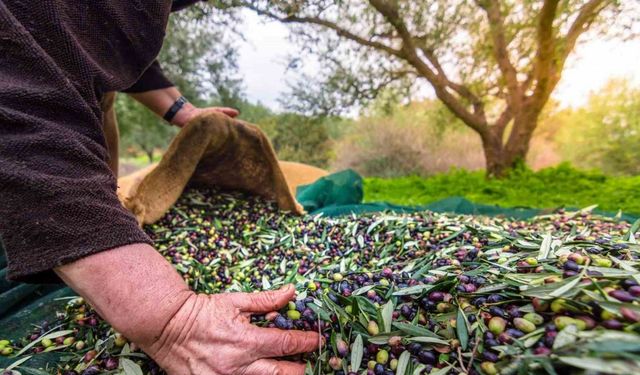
(231, 112)
(263, 302)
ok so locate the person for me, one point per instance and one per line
(60, 218)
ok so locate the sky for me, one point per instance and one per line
(263, 60)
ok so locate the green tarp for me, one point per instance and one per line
(341, 193)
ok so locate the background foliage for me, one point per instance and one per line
(605, 133)
(387, 133)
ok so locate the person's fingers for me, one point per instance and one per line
(231, 112)
(262, 302)
(273, 367)
(274, 342)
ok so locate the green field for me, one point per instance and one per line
(547, 188)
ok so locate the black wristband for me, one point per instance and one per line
(171, 113)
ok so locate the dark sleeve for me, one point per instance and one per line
(177, 5)
(58, 199)
(152, 79)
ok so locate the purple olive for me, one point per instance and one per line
(635, 290)
(612, 324)
(490, 356)
(414, 348)
(111, 363)
(436, 296)
(427, 357)
(622, 295)
(571, 266)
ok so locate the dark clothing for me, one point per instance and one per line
(58, 198)
(151, 79)
(181, 4)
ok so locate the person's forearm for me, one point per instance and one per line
(132, 287)
(159, 102)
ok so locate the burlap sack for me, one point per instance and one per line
(215, 150)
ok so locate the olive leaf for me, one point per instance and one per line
(49, 335)
(608, 366)
(429, 340)
(567, 336)
(565, 288)
(357, 351)
(419, 369)
(18, 363)
(462, 329)
(634, 228)
(414, 330)
(443, 371)
(545, 247)
(362, 290)
(129, 367)
(403, 362)
(387, 315)
(308, 370)
(32, 371)
(416, 289)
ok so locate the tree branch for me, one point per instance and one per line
(587, 15)
(505, 117)
(389, 10)
(500, 52)
(329, 25)
(544, 59)
(463, 91)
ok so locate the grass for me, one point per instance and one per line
(547, 188)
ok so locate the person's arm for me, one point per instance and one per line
(156, 92)
(136, 290)
(159, 101)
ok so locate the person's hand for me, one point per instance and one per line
(140, 294)
(212, 334)
(159, 101)
(189, 111)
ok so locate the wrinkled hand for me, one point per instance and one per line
(212, 334)
(189, 112)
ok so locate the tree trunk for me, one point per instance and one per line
(149, 155)
(493, 155)
(517, 146)
(501, 157)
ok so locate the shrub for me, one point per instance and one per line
(548, 188)
(417, 139)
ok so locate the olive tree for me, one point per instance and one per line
(493, 63)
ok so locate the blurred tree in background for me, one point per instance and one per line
(421, 138)
(396, 133)
(302, 139)
(296, 137)
(494, 64)
(605, 133)
(140, 129)
(199, 57)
